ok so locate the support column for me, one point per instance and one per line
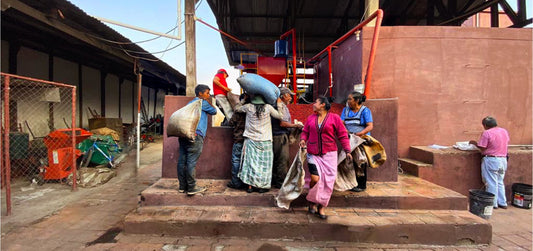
(102, 93)
(120, 82)
(14, 48)
(371, 6)
(80, 94)
(51, 123)
(494, 16)
(430, 12)
(155, 101)
(190, 47)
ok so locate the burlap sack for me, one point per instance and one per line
(183, 122)
(293, 184)
(233, 99)
(346, 179)
(374, 150)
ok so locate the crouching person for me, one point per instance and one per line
(189, 152)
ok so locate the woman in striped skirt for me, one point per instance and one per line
(257, 155)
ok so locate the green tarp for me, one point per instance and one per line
(103, 142)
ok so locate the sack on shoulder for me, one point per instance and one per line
(375, 152)
(183, 122)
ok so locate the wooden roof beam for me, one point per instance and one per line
(29, 11)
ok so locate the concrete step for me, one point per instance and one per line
(421, 153)
(436, 227)
(412, 166)
(408, 193)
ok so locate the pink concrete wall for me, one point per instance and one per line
(448, 78)
(215, 159)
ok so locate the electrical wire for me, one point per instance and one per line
(127, 52)
(171, 41)
(142, 41)
(149, 53)
(126, 43)
(143, 58)
(364, 13)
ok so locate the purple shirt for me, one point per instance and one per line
(495, 141)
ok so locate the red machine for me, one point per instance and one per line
(59, 144)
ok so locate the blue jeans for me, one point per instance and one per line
(189, 153)
(236, 154)
(493, 171)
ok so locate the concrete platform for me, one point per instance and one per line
(411, 211)
(408, 193)
(436, 227)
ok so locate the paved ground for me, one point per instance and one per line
(91, 219)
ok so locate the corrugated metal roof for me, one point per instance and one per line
(28, 31)
(318, 23)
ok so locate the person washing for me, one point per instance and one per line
(493, 145)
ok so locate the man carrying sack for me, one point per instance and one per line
(190, 150)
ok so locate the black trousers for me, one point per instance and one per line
(361, 180)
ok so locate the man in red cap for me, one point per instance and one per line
(220, 89)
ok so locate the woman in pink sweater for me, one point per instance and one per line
(319, 136)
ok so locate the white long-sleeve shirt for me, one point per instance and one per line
(259, 128)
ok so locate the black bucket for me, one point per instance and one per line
(522, 195)
(481, 203)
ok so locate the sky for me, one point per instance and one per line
(161, 16)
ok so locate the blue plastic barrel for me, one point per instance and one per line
(281, 48)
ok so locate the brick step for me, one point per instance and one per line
(436, 227)
(408, 193)
(422, 154)
(411, 166)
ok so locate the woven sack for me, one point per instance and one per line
(183, 122)
(374, 150)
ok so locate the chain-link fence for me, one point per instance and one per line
(39, 135)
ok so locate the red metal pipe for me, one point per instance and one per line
(370, 65)
(7, 159)
(73, 126)
(37, 80)
(349, 33)
(330, 71)
(292, 32)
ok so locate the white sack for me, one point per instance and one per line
(183, 122)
